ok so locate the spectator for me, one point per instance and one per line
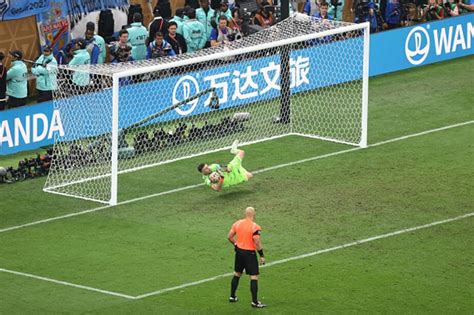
(335, 9)
(263, 17)
(159, 24)
(137, 35)
(311, 7)
(236, 22)
(433, 11)
(219, 35)
(121, 50)
(194, 32)
(451, 9)
(159, 48)
(179, 20)
(66, 54)
(99, 41)
(392, 13)
(92, 48)
(80, 77)
(177, 41)
(45, 70)
(206, 15)
(17, 85)
(3, 83)
(323, 12)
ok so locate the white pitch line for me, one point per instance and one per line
(318, 252)
(78, 286)
(256, 172)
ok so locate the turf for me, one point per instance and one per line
(156, 243)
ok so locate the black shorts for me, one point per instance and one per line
(246, 259)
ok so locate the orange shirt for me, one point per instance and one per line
(245, 230)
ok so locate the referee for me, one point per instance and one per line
(248, 241)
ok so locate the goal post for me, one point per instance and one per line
(120, 118)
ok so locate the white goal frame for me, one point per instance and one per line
(220, 54)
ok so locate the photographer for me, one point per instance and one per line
(365, 12)
(220, 35)
(392, 12)
(45, 71)
(264, 16)
(159, 48)
(434, 11)
(121, 50)
(335, 9)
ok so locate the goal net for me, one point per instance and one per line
(302, 76)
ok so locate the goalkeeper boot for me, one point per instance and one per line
(234, 149)
(258, 304)
(233, 299)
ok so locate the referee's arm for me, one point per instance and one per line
(259, 247)
(231, 236)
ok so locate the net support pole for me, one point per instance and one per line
(285, 106)
(115, 132)
(365, 86)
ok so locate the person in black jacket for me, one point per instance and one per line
(159, 24)
(177, 41)
(3, 83)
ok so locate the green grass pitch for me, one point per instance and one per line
(161, 242)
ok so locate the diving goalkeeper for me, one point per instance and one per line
(217, 176)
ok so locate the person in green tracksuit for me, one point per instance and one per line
(45, 70)
(205, 15)
(194, 32)
(17, 84)
(81, 77)
(137, 35)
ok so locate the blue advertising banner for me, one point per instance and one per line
(422, 44)
(29, 127)
(17, 9)
(246, 82)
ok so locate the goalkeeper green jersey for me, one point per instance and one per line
(236, 176)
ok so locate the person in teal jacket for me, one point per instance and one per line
(194, 32)
(45, 70)
(179, 19)
(17, 85)
(81, 77)
(205, 15)
(137, 35)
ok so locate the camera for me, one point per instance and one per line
(362, 9)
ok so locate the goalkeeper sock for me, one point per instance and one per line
(234, 284)
(254, 290)
(234, 148)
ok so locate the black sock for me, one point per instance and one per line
(254, 290)
(234, 285)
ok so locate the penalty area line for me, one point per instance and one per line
(69, 284)
(318, 252)
(12, 228)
